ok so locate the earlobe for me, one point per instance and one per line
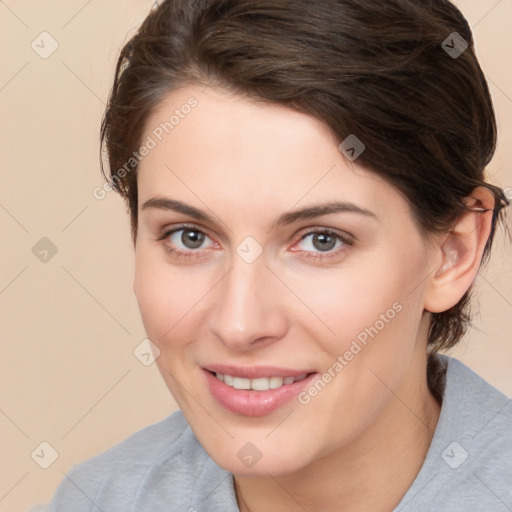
(460, 253)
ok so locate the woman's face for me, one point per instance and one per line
(243, 269)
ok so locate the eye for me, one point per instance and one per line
(188, 238)
(189, 241)
(323, 242)
(185, 241)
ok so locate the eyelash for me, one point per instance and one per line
(346, 242)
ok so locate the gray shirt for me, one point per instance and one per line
(163, 467)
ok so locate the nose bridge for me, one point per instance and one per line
(245, 308)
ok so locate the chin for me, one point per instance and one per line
(275, 465)
(243, 457)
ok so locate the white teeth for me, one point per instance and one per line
(275, 382)
(259, 384)
(241, 383)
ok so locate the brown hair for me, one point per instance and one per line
(380, 70)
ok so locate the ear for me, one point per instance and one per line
(458, 254)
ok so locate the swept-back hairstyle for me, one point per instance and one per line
(395, 73)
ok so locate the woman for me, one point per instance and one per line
(306, 187)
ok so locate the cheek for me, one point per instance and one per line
(167, 295)
(169, 300)
(368, 314)
(350, 300)
(375, 323)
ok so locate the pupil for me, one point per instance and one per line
(324, 242)
(192, 239)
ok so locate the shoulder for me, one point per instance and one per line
(112, 480)
(481, 417)
(476, 408)
(146, 444)
(469, 463)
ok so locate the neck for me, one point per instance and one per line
(372, 473)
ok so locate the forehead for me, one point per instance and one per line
(244, 153)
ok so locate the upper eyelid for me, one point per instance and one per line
(166, 231)
(319, 229)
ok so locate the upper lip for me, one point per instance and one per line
(255, 372)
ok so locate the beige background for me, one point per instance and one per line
(69, 326)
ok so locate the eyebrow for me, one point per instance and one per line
(290, 217)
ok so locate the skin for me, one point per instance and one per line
(245, 164)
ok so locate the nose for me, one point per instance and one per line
(249, 310)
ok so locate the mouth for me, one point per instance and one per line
(257, 391)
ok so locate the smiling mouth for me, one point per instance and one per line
(255, 391)
(257, 384)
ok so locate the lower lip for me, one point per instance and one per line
(254, 403)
